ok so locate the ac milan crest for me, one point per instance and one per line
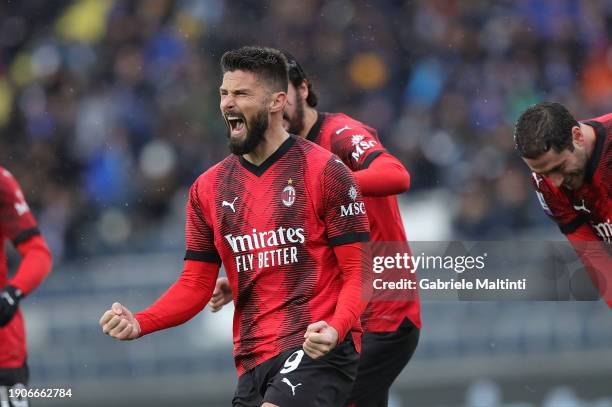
(288, 195)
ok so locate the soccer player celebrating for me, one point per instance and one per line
(17, 225)
(274, 213)
(572, 175)
(391, 327)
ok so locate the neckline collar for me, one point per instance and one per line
(313, 134)
(259, 170)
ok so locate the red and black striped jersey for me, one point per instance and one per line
(16, 225)
(273, 227)
(358, 145)
(592, 203)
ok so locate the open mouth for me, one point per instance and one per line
(236, 124)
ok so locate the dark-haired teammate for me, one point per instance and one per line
(18, 226)
(275, 214)
(572, 175)
(391, 327)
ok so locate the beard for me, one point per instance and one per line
(296, 123)
(255, 134)
(575, 180)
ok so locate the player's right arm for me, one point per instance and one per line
(188, 295)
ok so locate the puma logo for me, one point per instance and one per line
(285, 380)
(10, 300)
(231, 205)
(582, 207)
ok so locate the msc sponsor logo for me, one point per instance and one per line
(361, 146)
(352, 209)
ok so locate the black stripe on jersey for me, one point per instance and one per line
(25, 235)
(351, 237)
(599, 144)
(368, 160)
(313, 134)
(258, 170)
(202, 256)
(573, 225)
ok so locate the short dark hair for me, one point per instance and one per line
(297, 76)
(268, 64)
(542, 127)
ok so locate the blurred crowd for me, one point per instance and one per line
(109, 109)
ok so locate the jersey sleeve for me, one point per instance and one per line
(199, 233)
(16, 220)
(344, 211)
(357, 146)
(557, 205)
(596, 256)
(386, 176)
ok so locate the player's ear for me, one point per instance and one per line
(303, 89)
(577, 136)
(278, 102)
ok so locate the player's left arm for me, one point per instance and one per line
(348, 233)
(596, 256)
(385, 176)
(18, 224)
(377, 172)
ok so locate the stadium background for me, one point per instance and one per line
(109, 110)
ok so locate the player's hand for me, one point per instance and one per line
(321, 338)
(221, 295)
(120, 323)
(9, 303)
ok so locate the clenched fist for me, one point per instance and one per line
(222, 294)
(321, 338)
(120, 323)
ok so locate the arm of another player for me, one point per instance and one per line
(222, 295)
(18, 224)
(35, 265)
(383, 177)
(377, 172)
(595, 257)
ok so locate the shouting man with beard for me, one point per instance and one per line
(275, 214)
(391, 322)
